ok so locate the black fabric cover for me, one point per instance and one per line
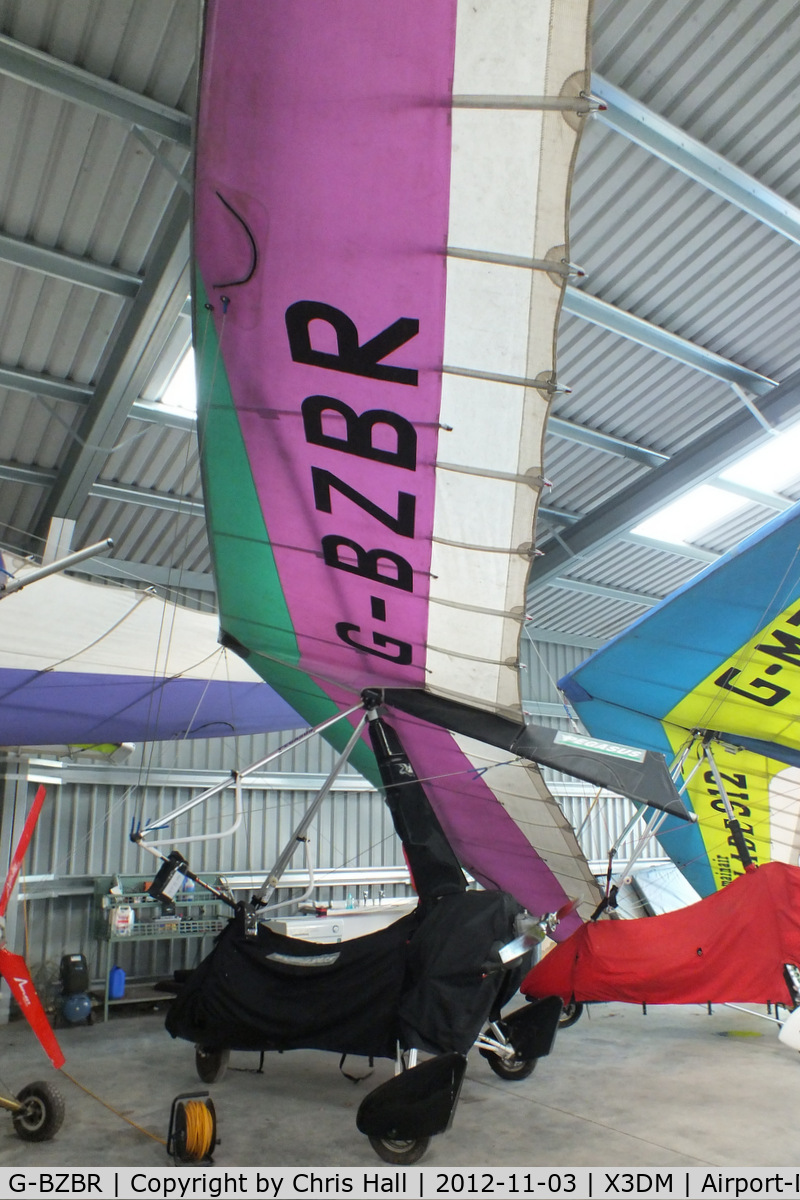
(429, 980)
(435, 870)
(532, 1029)
(415, 1104)
(243, 997)
(454, 974)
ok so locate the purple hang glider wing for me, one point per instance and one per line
(86, 663)
(381, 252)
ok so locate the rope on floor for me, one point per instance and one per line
(115, 1111)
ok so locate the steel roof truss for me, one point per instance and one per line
(673, 145)
(133, 354)
(69, 82)
(699, 463)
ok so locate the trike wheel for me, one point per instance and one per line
(399, 1150)
(511, 1068)
(43, 1112)
(211, 1063)
(570, 1014)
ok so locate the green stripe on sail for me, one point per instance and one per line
(252, 605)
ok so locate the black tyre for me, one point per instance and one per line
(43, 1114)
(570, 1014)
(511, 1068)
(210, 1063)
(400, 1150)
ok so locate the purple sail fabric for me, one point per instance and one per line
(338, 202)
(373, 375)
(69, 708)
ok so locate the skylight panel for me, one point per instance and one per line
(771, 466)
(685, 518)
(181, 393)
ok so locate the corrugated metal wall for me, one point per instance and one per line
(227, 754)
(598, 821)
(83, 836)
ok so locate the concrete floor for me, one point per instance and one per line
(674, 1087)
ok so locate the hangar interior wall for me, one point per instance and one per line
(84, 834)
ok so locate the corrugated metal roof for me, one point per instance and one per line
(630, 391)
(663, 247)
(79, 185)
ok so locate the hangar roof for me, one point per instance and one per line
(679, 345)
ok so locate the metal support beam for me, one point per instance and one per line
(44, 477)
(147, 499)
(144, 333)
(673, 145)
(33, 476)
(755, 495)
(607, 593)
(544, 708)
(45, 385)
(77, 393)
(555, 637)
(706, 457)
(682, 550)
(569, 431)
(69, 82)
(616, 320)
(174, 579)
(68, 267)
(157, 414)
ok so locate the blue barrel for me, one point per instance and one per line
(116, 983)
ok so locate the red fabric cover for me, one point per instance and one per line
(731, 946)
(15, 972)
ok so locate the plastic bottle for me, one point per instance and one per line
(123, 918)
(116, 983)
(350, 900)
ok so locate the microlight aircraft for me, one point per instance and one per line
(381, 252)
(711, 677)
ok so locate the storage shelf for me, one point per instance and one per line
(192, 914)
(150, 931)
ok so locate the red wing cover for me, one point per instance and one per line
(728, 947)
(17, 976)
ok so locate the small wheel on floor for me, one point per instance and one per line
(43, 1114)
(399, 1150)
(570, 1013)
(211, 1063)
(511, 1068)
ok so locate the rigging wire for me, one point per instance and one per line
(561, 699)
(147, 771)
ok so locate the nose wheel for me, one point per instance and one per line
(42, 1112)
(400, 1150)
(210, 1063)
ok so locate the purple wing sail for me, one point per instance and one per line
(85, 664)
(381, 252)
